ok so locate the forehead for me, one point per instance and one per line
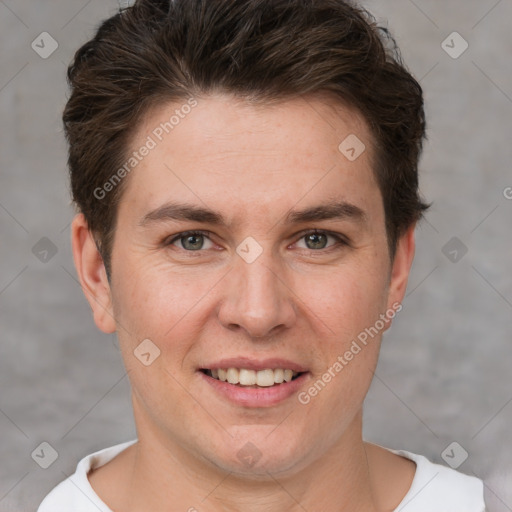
(228, 152)
(320, 118)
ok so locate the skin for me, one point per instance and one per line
(297, 300)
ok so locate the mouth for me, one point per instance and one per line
(248, 378)
(250, 383)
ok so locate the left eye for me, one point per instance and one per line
(318, 239)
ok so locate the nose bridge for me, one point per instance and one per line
(256, 298)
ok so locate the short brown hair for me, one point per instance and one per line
(159, 51)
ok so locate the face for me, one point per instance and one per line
(286, 267)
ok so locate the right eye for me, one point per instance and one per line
(191, 241)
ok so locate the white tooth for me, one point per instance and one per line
(288, 374)
(278, 376)
(247, 377)
(215, 374)
(232, 376)
(265, 378)
(222, 375)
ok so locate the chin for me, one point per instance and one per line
(262, 470)
(254, 453)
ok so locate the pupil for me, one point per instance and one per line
(314, 239)
(192, 237)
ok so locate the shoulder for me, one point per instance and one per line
(75, 493)
(440, 488)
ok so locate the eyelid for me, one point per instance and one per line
(341, 239)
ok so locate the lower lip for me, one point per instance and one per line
(256, 397)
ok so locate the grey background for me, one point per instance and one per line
(444, 371)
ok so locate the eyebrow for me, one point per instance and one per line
(332, 210)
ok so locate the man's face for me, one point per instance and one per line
(260, 291)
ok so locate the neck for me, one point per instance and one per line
(164, 474)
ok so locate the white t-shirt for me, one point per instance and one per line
(435, 488)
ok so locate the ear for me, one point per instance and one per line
(401, 267)
(92, 275)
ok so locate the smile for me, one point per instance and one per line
(252, 378)
(254, 388)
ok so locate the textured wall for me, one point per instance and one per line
(444, 372)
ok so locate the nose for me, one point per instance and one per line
(257, 298)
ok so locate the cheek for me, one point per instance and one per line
(145, 291)
(347, 300)
(152, 301)
(351, 313)
(336, 393)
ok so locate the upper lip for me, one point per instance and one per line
(256, 364)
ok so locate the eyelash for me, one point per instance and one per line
(341, 241)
